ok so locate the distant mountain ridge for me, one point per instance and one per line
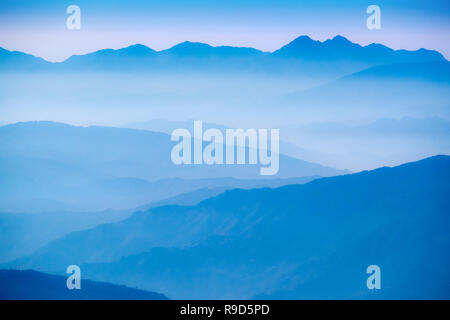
(198, 56)
(24, 233)
(435, 71)
(381, 90)
(340, 48)
(47, 166)
(19, 61)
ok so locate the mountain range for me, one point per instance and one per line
(225, 232)
(48, 166)
(387, 91)
(301, 55)
(24, 233)
(304, 82)
(297, 241)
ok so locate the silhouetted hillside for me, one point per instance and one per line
(313, 241)
(438, 71)
(23, 233)
(340, 48)
(247, 242)
(47, 166)
(33, 285)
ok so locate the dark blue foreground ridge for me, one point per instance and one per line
(34, 285)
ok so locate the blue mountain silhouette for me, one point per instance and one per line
(290, 241)
(340, 48)
(382, 90)
(33, 285)
(48, 166)
(198, 49)
(438, 71)
(301, 55)
(313, 241)
(19, 61)
(24, 233)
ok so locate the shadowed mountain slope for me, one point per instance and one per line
(33, 285)
(246, 242)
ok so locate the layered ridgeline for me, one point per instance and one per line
(380, 89)
(304, 82)
(333, 56)
(299, 241)
(24, 233)
(48, 166)
(32, 285)
(372, 114)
